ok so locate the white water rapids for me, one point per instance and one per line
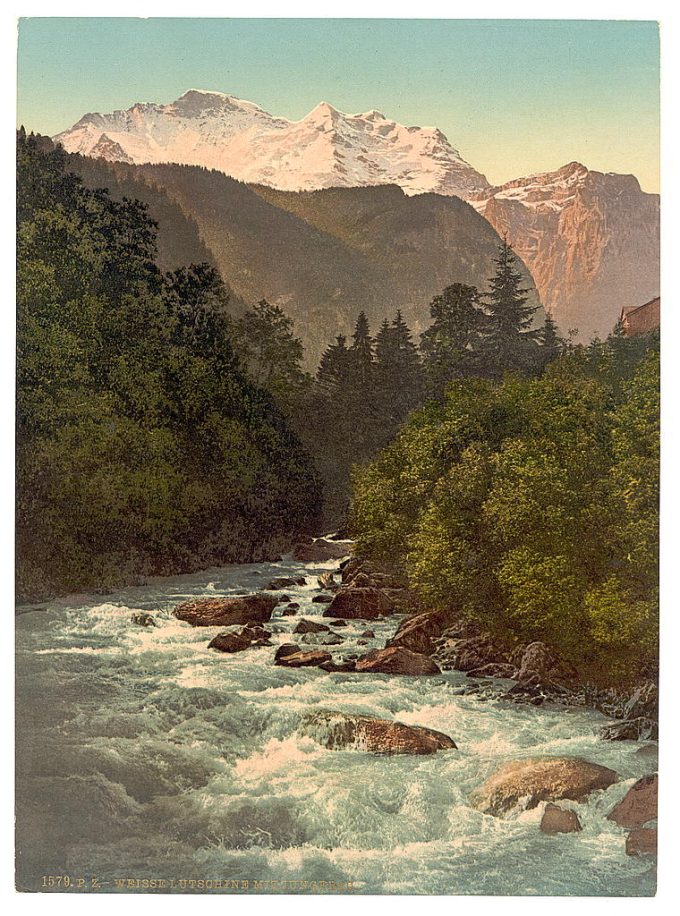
(143, 754)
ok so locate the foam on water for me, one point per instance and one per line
(142, 753)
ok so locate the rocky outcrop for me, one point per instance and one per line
(642, 842)
(639, 805)
(418, 633)
(640, 729)
(238, 640)
(339, 731)
(468, 653)
(559, 820)
(285, 582)
(590, 240)
(541, 779)
(540, 665)
(224, 612)
(353, 603)
(396, 660)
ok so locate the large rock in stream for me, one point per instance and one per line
(639, 805)
(239, 640)
(225, 612)
(541, 779)
(291, 655)
(339, 731)
(355, 603)
(417, 633)
(396, 660)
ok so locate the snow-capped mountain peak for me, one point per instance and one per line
(326, 148)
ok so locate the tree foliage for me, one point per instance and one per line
(144, 446)
(531, 505)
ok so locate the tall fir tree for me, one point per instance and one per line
(552, 344)
(361, 355)
(510, 342)
(399, 373)
(451, 345)
(333, 371)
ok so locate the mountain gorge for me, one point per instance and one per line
(590, 239)
(323, 256)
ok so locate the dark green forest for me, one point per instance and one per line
(143, 444)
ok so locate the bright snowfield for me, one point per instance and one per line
(325, 149)
(144, 754)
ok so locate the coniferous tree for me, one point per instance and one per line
(552, 344)
(510, 342)
(399, 373)
(451, 345)
(361, 355)
(333, 371)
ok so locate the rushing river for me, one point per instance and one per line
(144, 755)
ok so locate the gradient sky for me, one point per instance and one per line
(513, 96)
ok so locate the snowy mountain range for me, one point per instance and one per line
(324, 149)
(590, 239)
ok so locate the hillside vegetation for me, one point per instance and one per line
(144, 447)
(530, 506)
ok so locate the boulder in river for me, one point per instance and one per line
(468, 653)
(642, 842)
(417, 633)
(541, 779)
(224, 612)
(310, 626)
(320, 551)
(238, 640)
(353, 603)
(327, 580)
(396, 660)
(142, 619)
(285, 582)
(639, 805)
(292, 656)
(339, 731)
(322, 599)
(333, 666)
(640, 729)
(323, 639)
(559, 820)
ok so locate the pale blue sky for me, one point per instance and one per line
(513, 96)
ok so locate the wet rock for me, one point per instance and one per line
(338, 731)
(631, 730)
(237, 641)
(143, 619)
(468, 653)
(541, 779)
(368, 634)
(338, 623)
(310, 626)
(360, 580)
(352, 603)
(290, 611)
(396, 660)
(288, 648)
(542, 665)
(362, 642)
(323, 639)
(639, 805)
(221, 612)
(417, 633)
(320, 551)
(351, 566)
(642, 842)
(559, 820)
(327, 580)
(333, 666)
(322, 599)
(494, 669)
(285, 582)
(301, 659)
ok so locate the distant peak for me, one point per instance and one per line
(573, 167)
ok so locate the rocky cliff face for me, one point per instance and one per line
(590, 240)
